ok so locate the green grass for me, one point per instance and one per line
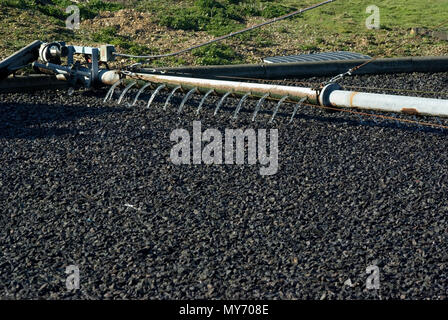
(337, 26)
(93, 7)
(402, 14)
(109, 36)
(342, 15)
(216, 54)
(212, 16)
(215, 17)
(22, 21)
(57, 9)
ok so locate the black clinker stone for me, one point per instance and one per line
(92, 185)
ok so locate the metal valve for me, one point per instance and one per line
(52, 52)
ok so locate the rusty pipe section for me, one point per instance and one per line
(236, 88)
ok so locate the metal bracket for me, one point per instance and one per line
(50, 54)
(19, 59)
(324, 96)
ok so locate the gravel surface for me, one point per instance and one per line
(88, 184)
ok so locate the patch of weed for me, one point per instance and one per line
(109, 36)
(215, 17)
(273, 10)
(216, 54)
(92, 8)
(88, 10)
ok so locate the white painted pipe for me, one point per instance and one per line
(108, 77)
(231, 86)
(389, 103)
(331, 95)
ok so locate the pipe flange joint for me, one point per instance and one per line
(324, 96)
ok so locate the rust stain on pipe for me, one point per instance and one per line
(410, 111)
(351, 98)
